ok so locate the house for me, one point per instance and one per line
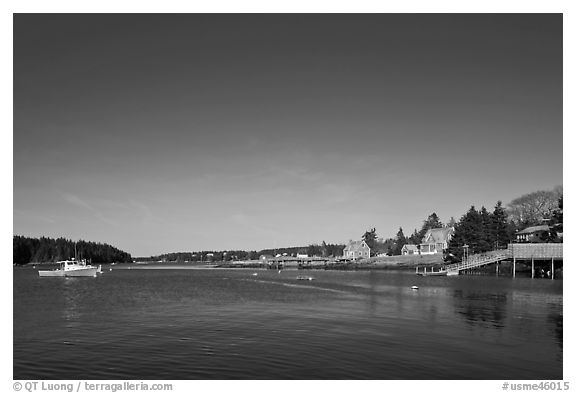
(266, 257)
(357, 250)
(409, 249)
(535, 234)
(436, 240)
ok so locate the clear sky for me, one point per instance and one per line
(161, 133)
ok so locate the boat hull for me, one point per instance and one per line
(89, 272)
(50, 273)
(442, 273)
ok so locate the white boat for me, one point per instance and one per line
(433, 273)
(71, 268)
(307, 278)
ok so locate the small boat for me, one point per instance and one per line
(414, 287)
(254, 274)
(438, 273)
(306, 278)
(71, 268)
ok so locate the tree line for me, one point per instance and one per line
(320, 250)
(482, 230)
(44, 249)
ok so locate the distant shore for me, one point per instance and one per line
(398, 262)
(401, 262)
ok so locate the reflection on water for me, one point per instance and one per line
(556, 321)
(220, 324)
(477, 307)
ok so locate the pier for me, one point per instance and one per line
(300, 263)
(547, 256)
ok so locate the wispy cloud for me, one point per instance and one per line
(77, 201)
(34, 216)
(144, 211)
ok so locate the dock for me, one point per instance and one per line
(548, 256)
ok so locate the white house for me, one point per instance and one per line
(436, 240)
(357, 250)
(409, 249)
(533, 234)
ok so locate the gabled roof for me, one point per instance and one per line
(438, 235)
(412, 247)
(535, 229)
(356, 246)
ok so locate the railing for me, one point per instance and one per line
(517, 251)
(478, 260)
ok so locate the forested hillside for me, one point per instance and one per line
(45, 249)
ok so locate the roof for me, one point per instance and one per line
(412, 247)
(438, 235)
(356, 246)
(534, 229)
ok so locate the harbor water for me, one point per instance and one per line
(182, 323)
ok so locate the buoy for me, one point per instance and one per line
(414, 287)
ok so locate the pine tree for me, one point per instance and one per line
(485, 241)
(431, 222)
(469, 230)
(414, 238)
(370, 238)
(500, 227)
(399, 242)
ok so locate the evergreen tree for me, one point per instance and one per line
(430, 223)
(469, 230)
(370, 238)
(399, 242)
(500, 227)
(51, 250)
(485, 241)
(414, 238)
(387, 246)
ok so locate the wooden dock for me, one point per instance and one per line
(533, 252)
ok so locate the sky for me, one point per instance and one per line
(160, 133)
